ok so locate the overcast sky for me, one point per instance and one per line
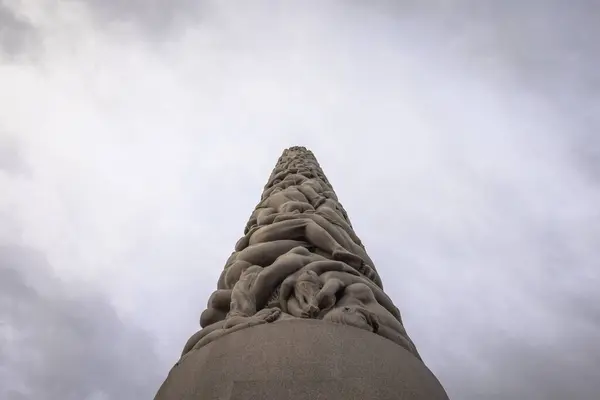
(461, 137)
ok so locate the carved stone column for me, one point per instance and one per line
(299, 311)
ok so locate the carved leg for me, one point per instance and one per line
(323, 240)
(351, 259)
(381, 297)
(244, 241)
(293, 307)
(299, 229)
(217, 307)
(266, 253)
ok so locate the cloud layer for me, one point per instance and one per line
(58, 341)
(459, 137)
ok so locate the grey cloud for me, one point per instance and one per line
(560, 361)
(11, 159)
(490, 251)
(544, 46)
(548, 47)
(517, 321)
(16, 33)
(566, 370)
(58, 341)
(155, 18)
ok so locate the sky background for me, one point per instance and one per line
(461, 137)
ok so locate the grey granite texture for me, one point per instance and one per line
(301, 359)
(299, 261)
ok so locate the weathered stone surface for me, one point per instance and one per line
(299, 263)
(301, 359)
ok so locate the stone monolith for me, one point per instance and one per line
(299, 311)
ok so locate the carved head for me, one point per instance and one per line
(356, 316)
(305, 290)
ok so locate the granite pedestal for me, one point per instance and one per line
(301, 359)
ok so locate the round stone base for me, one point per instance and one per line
(301, 359)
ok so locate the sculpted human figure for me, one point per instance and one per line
(334, 229)
(252, 221)
(221, 328)
(351, 252)
(311, 189)
(231, 274)
(304, 304)
(335, 216)
(285, 265)
(299, 175)
(281, 175)
(269, 208)
(282, 200)
(296, 180)
(329, 204)
(299, 258)
(242, 314)
(356, 305)
(265, 253)
(340, 280)
(330, 195)
(315, 268)
(243, 299)
(217, 307)
(270, 215)
(303, 229)
(358, 317)
(244, 305)
(281, 196)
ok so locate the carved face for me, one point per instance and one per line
(354, 316)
